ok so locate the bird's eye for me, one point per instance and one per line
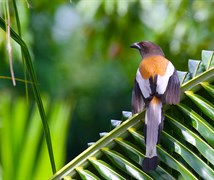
(142, 45)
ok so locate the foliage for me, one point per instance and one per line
(24, 152)
(28, 70)
(80, 51)
(83, 46)
(186, 150)
(95, 57)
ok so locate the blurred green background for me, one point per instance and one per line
(81, 53)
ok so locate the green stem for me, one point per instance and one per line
(36, 90)
(20, 34)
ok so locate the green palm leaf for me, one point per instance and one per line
(187, 142)
(23, 140)
(105, 170)
(36, 91)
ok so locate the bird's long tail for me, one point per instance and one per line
(152, 129)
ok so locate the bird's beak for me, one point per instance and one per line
(135, 45)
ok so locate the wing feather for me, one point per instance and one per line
(137, 99)
(172, 93)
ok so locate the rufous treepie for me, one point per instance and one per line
(156, 83)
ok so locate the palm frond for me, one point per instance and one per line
(186, 150)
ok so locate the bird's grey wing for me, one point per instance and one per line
(137, 99)
(172, 93)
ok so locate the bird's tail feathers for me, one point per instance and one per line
(153, 127)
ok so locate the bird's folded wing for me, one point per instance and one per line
(137, 99)
(172, 93)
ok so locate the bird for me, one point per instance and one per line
(156, 83)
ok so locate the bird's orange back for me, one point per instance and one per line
(153, 65)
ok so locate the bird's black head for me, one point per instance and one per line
(147, 48)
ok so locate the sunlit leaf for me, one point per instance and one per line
(192, 138)
(208, 59)
(208, 87)
(181, 76)
(85, 174)
(202, 103)
(193, 66)
(190, 157)
(105, 170)
(125, 165)
(199, 123)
